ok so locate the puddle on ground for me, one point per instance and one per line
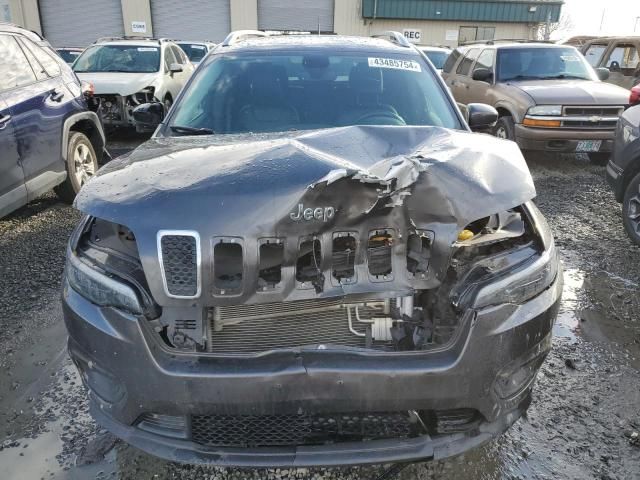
(569, 317)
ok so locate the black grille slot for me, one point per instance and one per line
(180, 263)
(227, 267)
(419, 252)
(290, 430)
(270, 267)
(343, 258)
(308, 265)
(379, 253)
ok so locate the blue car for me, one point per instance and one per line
(49, 135)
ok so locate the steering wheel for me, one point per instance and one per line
(380, 117)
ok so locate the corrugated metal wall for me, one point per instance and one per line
(300, 15)
(69, 23)
(477, 10)
(191, 19)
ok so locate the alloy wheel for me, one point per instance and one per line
(633, 212)
(84, 163)
(501, 132)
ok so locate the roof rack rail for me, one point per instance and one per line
(240, 35)
(503, 40)
(126, 37)
(394, 37)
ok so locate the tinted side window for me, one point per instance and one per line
(38, 69)
(16, 70)
(625, 56)
(45, 58)
(465, 65)
(594, 53)
(485, 60)
(451, 61)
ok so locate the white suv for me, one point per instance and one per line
(126, 72)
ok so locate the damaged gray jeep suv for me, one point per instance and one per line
(313, 261)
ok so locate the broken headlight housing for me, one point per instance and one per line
(510, 258)
(100, 289)
(143, 96)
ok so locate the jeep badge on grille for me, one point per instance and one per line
(307, 214)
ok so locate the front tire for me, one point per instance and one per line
(82, 164)
(631, 210)
(505, 128)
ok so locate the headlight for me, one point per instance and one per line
(523, 284)
(545, 110)
(100, 289)
(628, 134)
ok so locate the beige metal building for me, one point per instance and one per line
(426, 22)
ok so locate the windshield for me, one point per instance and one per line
(542, 63)
(280, 92)
(195, 51)
(437, 57)
(69, 56)
(119, 58)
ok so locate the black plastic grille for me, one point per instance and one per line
(290, 430)
(179, 259)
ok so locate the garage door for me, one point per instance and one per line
(191, 19)
(69, 23)
(301, 15)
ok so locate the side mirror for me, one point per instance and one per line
(482, 75)
(603, 73)
(482, 117)
(148, 115)
(175, 68)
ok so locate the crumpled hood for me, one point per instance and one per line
(573, 92)
(301, 185)
(252, 185)
(117, 82)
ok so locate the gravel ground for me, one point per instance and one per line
(583, 423)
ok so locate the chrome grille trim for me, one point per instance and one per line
(198, 263)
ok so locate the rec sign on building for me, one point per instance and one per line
(412, 35)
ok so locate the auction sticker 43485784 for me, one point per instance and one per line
(394, 63)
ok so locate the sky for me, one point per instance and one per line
(586, 17)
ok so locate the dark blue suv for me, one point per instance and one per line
(49, 137)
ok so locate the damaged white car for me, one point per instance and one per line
(127, 72)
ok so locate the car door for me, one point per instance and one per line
(39, 112)
(623, 61)
(13, 192)
(482, 91)
(16, 75)
(460, 81)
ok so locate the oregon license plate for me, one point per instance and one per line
(589, 146)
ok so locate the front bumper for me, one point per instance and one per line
(560, 140)
(129, 373)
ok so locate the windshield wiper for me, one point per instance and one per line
(524, 77)
(191, 130)
(565, 76)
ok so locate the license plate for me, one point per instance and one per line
(589, 146)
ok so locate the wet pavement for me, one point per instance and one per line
(583, 423)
